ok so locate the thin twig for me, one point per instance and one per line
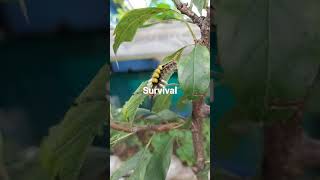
(134, 129)
(121, 138)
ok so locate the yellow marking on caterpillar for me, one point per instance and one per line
(155, 75)
(155, 80)
(157, 71)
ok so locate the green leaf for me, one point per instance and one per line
(194, 72)
(162, 102)
(185, 149)
(131, 21)
(159, 139)
(140, 170)
(264, 54)
(135, 163)
(142, 113)
(131, 106)
(174, 56)
(200, 4)
(160, 162)
(63, 151)
(169, 15)
(163, 116)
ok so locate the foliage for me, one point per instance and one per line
(200, 4)
(63, 151)
(265, 57)
(264, 68)
(130, 108)
(194, 78)
(147, 165)
(131, 21)
(160, 161)
(135, 162)
(174, 56)
(185, 149)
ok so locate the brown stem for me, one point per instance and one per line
(197, 135)
(199, 108)
(202, 22)
(183, 8)
(134, 129)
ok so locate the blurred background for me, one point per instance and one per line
(49, 52)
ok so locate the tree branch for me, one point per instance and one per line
(197, 136)
(183, 8)
(134, 129)
(199, 108)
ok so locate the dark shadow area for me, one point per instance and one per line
(49, 52)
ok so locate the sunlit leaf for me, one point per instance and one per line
(160, 161)
(200, 4)
(185, 149)
(194, 72)
(166, 15)
(131, 21)
(174, 56)
(130, 108)
(132, 164)
(140, 169)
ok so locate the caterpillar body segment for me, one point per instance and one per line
(157, 79)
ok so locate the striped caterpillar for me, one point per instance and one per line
(160, 74)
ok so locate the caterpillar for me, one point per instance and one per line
(159, 75)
